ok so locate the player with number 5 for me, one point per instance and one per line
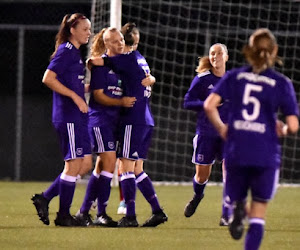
(252, 152)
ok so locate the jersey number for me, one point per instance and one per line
(248, 99)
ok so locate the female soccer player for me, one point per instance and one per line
(136, 130)
(104, 112)
(65, 76)
(208, 145)
(252, 151)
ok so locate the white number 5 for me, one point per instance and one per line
(247, 99)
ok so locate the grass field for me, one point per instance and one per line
(21, 229)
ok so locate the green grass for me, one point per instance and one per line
(20, 227)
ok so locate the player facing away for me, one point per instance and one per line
(208, 145)
(136, 131)
(104, 113)
(252, 152)
(65, 76)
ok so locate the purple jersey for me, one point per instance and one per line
(199, 90)
(68, 66)
(133, 68)
(104, 78)
(254, 100)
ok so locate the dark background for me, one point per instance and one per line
(172, 38)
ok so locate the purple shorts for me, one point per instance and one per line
(74, 139)
(207, 149)
(134, 141)
(262, 182)
(103, 139)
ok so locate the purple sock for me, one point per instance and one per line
(53, 190)
(145, 185)
(129, 192)
(198, 188)
(104, 191)
(90, 194)
(66, 193)
(255, 234)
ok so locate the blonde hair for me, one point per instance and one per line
(260, 51)
(204, 62)
(98, 46)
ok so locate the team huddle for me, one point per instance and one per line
(236, 123)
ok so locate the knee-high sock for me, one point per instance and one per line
(226, 204)
(145, 185)
(129, 192)
(103, 190)
(53, 190)
(255, 234)
(66, 192)
(90, 193)
(198, 187)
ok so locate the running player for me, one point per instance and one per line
(252, 151)
(65, 76)
(208, 145)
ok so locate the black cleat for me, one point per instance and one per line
(83, 219)
(42, 207)
(236, 226)
(128, 222)
(191, 207)
(105, 221)
(156, 219)
(66, 220)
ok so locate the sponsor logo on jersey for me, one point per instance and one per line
(211, 86)
(111, 72)
(80, 61)
(252, 77)
(147, 92)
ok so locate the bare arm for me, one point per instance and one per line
(149, 80)
(109, 101)
(211, 109)
(51, 82)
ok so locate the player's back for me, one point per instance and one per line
(254, 102)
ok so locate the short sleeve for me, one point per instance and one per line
(61, 61)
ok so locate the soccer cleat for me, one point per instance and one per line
(223, 222)
(122, 208)
(83, 219)
(236, 226)
(42, 207)
(191, 207)
(66, 220)
(104, 220)
(156, 219)
(128, 222)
